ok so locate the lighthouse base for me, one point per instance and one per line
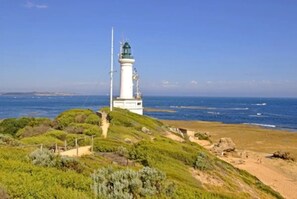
(133, 105)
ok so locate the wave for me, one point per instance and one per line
(260, 104)
(263, 125)
(209, 108)
(213, 113)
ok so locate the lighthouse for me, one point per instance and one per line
(128, 78)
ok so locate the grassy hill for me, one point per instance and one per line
(136, 160)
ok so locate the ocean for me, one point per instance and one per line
(278, 113)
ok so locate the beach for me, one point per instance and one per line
(254, 148)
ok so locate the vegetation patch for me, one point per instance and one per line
(76, 116)
(47, 158)
(128, 183)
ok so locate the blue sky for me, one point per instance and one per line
(182, 48)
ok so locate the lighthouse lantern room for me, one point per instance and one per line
(127, 100)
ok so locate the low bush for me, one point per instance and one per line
(12, 125)
(107, 145)
(8, 140)
(65, 163)
(130, 184)
(202, 136)
(47, 158)
(61, 135)
(202, 162)
(43, 157)
(29, 131)
(47, 141)
(76, 116)
(87, 129)
(122, 151)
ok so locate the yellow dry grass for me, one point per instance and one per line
(245, 137)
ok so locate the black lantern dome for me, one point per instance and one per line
(126, 51)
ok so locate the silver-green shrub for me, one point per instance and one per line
(43, 157)
(122, 184)
(152, 181)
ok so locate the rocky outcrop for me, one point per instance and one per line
(224, 145)
(283, 155)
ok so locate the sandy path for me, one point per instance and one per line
(269, 172)
(105, 124)
(278, 174)
(84, 150)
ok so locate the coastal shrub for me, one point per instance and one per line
(43, 157)
(87, 129)
(8, 140)
(47, 158)
(152, 181)
(107, 145)
(19, 178)
(40, 121)
(12, 125)
(65, 163)
(47, 141)
(122, 151)
(29, 131)
(126, 118)
(93, 119)
(202, 162)
(74, 116)
(127, 183)
(201, 136)
(61, 135)
(82, 140)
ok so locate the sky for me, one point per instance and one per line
(241, 48)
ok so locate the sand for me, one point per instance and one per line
(105, 125)
(84, 150)
(254, 146)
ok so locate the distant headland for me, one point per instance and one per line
(37, 94)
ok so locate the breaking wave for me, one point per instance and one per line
(209, 108)
(260, 104)
(263, 125)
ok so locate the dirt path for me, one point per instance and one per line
(279, 174)
(84, 150)
(272, 172)
(105, 124)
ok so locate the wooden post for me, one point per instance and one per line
(41, 147)
(56, 148)
(76, 145)
(92, 147)
(65, 145)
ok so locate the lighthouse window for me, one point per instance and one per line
(139, 103)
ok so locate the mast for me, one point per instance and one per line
(111, 71)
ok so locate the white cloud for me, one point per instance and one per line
(30, 5)
(168, 84)
(194, 82)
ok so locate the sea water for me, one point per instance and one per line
(267, 112)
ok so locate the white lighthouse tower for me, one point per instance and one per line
(127, 100)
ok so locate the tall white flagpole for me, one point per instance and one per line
(111, 72)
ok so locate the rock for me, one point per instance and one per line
(224, 145)
(145, 130)
(283, 155)
(127, 140)
(177, 131)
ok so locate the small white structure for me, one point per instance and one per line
(127, 100)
